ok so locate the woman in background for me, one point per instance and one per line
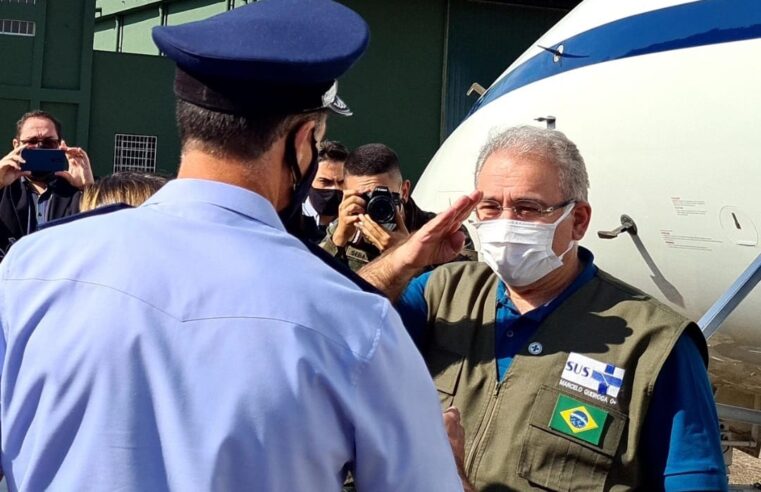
(130, 188)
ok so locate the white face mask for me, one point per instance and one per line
(519, 252)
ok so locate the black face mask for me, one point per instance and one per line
(291, 215)
(325, 202)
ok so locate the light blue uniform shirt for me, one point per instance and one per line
(680, 439)
(192, 344)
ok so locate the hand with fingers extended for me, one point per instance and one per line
(440, 240)
(379, 236)
(349, 211)
(79, 174)
(10, 167)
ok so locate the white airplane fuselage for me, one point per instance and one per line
(663, 99)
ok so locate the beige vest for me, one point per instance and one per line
(510, 444)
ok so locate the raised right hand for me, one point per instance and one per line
(349, 211)
(10, 167)
(440, 239)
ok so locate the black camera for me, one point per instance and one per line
(382, 204)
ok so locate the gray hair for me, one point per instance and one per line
(550, 144)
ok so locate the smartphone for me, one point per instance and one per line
(44, 160)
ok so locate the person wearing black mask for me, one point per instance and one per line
(321, 206)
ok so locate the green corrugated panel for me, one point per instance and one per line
(63, 45)
(123, 103)
(16, 52)
(484, 38)
(395, 89)
(10, 110)
(136, 35)
(105, 35)
(193, 10)
(67, 114)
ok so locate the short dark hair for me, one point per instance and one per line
(371, 160)
(241, 136)
(332, 151)
(38, 113)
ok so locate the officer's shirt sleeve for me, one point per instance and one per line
(413, 308)
(680, 441)
(400, 440)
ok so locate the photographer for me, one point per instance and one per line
(29, 199)
(377, 211)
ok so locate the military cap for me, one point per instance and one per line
(279, 56)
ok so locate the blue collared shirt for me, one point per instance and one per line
(514, 330)
(680, 438)
(192, 344)
(40, 203)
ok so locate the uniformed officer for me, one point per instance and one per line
(566, 378)
(192, 343)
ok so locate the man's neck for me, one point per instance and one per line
(255, 176)
(38, 187)
(545, 289)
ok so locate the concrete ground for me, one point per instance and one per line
(745, 471)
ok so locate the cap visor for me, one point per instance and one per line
(339, 107)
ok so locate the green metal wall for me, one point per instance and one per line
(51, 70)
(395, 89)
(132, 94)
(191, 10)
(408, 91)
(134, 19)
(483, 39)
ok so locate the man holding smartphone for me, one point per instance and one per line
(29, 199)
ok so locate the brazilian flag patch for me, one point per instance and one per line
(580, 420)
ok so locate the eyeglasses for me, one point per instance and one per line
(527, 210)
(44, 143)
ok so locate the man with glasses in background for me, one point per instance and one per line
(31, 199)
(565, 377)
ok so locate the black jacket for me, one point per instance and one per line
(17, 215)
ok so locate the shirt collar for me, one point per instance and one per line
(223, 195)
(308, 209)
(538, 314)
(28, 183)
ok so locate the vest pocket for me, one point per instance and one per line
(558, 461)
(445, 367)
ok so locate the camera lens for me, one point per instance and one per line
(381, 209)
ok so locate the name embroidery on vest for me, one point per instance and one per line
(592, 378)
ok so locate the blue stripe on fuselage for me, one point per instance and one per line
(681, 26)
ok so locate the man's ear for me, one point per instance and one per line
(582, 214)
(406, 186)
(15, 142)
(303, 143)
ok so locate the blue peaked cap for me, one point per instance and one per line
(268, 56)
